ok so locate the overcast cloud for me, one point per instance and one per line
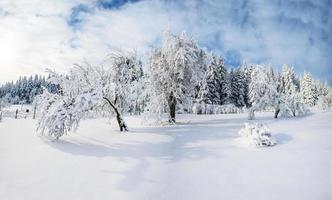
(39, 34)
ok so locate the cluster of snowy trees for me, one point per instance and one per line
(178, 77)
(24, 89)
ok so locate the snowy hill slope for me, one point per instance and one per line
(195, 160)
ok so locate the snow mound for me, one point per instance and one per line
(257, 135)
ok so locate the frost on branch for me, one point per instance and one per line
(257, 135)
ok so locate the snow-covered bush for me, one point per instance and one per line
(197, 108)
(258, 135)
(229, 108)
(209, 109)
(202, 108)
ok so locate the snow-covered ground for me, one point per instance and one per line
(198, 159)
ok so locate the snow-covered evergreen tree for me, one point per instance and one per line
(289, 93)
(246, 70)
(213, 90)
(175, 70)
(308, 90)
(288, 80)
(237, 88)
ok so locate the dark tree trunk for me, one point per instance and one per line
(276, 113)
(34, 111)
(172, 108)
(121, 122)
(294, 114)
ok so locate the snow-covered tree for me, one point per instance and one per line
(140, 96)
(237, 88)
(263, 90)
(322, 88)
(325, 98)
(288, 80)
(212, 89)
(86, 88)
(290, 97)
(204, 92)
(246, 70)
(175, 70)
(308, 90)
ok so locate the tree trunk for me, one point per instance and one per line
(34, 111)
(276, 113)
(121, 122)
(172, 108)
(251, 114)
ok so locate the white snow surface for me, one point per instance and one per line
(196, 159)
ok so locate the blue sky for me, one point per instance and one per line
(37, 34)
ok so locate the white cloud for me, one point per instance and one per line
(35, 34)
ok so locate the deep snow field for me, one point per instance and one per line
(197, 159)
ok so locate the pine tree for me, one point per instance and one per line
(308, 91)
(212, 88)
(288, 81)
(237, 88)
(290, 97)
(246, 70)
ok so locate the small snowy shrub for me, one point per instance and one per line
(209, 109)
(229, 108)
(197, 108)
(258, 135)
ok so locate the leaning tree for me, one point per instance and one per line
(85, 88)
(175, 70)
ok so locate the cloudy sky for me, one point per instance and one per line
(39, 34)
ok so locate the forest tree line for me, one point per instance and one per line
(179, 77)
